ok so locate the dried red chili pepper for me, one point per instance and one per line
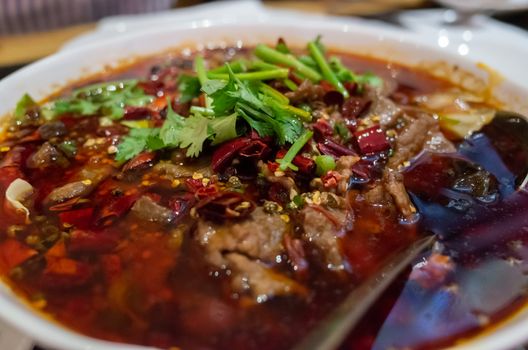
(322, 129)
(210, 190)
(141, 161)
(114, 208)
(372, 140)
(193, 185)
(331, 179)
(354, 107)
(224, 154)
(306, 165)
(255, 149)
(334, 149)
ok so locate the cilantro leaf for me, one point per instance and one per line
(107, 99)
(135, 143)
(196, 132)
(223, 128)
(263, 113)
(213, 85)
(171, 128)
(261, 127)
(189, 88)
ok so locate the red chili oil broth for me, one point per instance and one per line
(194, 308)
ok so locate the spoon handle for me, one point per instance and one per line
(332, 331)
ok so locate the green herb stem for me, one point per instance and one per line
(305, 116)
(328, 74)
(260, 75)
(273, 93)
(285, 162)
(270, 55)
(199, 66)
(208, 112)
(237, 66)
(290, 84)
(261, 65)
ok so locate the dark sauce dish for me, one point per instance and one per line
(229, 197)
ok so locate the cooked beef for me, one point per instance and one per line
(285, 181)
(420, 133)
(377, 196)
(47, 155)
(393, 181)
(261, 282)
(88, 179)
(306, 92)
(187, 169)
(411, 139)
(147, 209)
(386, 109)
(323, 228)
(344, 168)
(259, 237)
(52, 129)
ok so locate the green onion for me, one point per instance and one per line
(270, 55)
(324, 164)
(260, 75)
(285, 162)
(328, 74)
(276, 95)
(290, 84)
(237, 66)
(260, 65)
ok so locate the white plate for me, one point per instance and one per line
(42, 77)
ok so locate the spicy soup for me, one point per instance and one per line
(184, 203)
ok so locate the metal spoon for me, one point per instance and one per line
(333, 330)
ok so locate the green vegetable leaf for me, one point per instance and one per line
(171, 128)
(189, 88)
(107, 99)
(213, 85)
(22, 106)
(135, 143)
(260, 126)
(223, 128)
(195, 133)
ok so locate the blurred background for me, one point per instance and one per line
(31, 29)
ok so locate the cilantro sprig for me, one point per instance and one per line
(178, 132)
(105, 99)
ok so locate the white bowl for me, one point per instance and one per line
(43, 77)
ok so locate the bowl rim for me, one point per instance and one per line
(52, 334)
